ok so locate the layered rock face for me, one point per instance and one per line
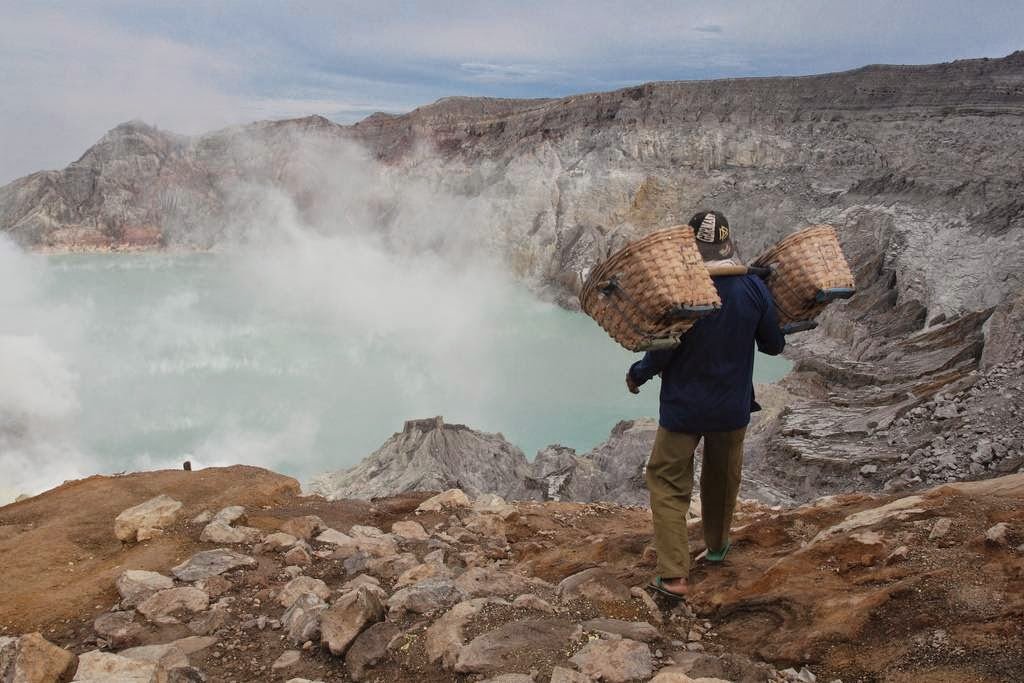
(917, 167)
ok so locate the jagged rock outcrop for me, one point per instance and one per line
(430, 455)
(917, 167)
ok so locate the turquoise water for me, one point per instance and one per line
(221, 360)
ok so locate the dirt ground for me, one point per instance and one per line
(791, 592)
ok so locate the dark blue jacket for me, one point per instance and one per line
(707, 381)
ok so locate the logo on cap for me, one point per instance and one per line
(706, 232)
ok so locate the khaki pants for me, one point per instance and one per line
(670, 483)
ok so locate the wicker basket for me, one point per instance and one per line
(650, 292)
(809, 271)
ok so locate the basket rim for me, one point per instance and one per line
(601, 270)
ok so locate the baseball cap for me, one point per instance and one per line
(712, 231)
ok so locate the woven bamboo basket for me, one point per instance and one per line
(809, 272)
(651, 291)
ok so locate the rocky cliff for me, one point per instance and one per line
(919, 168)
(237, 578)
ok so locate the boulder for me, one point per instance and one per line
(279, 541)
(210, 563)
(229, 515)
(33, 659)
(615, 661)
(301, 621)
(300, 585)
(135, 585)
(302, 527)
(444, 639)
(369, 647)
(156, 513)
(97, 667)
(217, 532)
(418, 573)
(298, 555)
(562, 675)
(531, 601)
(166, 655)
(998, 535)
(168, 605)
(492, 651)
(411, 531)
(214, 586)
(478, 582)
(117, 628)
(596, 584)
(348, 617)
(424, 597)
(450, 499)
(287, 660)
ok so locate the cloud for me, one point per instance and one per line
(709, 28)
(484, 72)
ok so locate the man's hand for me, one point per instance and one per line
(631, 385)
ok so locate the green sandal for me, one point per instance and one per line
(718, 556)
(659, 586)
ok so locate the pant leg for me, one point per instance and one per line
(670, 484)
(722, 468)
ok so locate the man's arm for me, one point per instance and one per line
(768, 335)
(647, 367)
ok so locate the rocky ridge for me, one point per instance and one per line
(917, 167)
(446, 588)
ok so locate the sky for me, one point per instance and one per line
(70, 71)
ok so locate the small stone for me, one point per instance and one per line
(302, 527)
(279, 541)
(491, 652)
(452, 498)
(348, 617)
(868, 470)
(298, 555)
(107, 666)
(998, 535)
(300, 585)
(412, 531)
(900, 554)
(214, 586)
(155, 513)
(596, 584)
(562, 675)
(652, 607)
(203, 518)
(531, 601)
(418, 573)
(230, 515)
(166, 606)
(365, 531)
(117, 628)
(369, 648)
(288, 659)
(135, 585)
(478, 582)
(33, 659)
(633, 630)
(424, 597)
(302, 619)
(167, 655)
(210, 563)
(940, 528)
(218, 532)
(615, 661)
(208, 622)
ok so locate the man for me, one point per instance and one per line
(707, 392)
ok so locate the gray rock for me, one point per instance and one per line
(369, 648)
(301, 621)
(562, 675)
(298, 555)
(301, 585)
(998, 534)
(444, 639)
(156, 513)
(135, 585)
(217, 532)
(596, 584)
(229, 515)
(348, 617)
(490, 652)
(615, 661)
(166, 606)
(166, 655)
(478, 582)
(445, 456)
(33, 659)
(210, 563)
(409, 530)
(425, 597)
(117, 628)
(287, 660)
(107, 666)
